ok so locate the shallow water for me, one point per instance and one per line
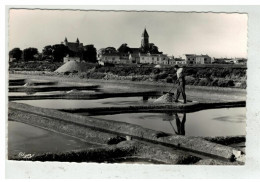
(29, 139)
(213, 122)
(67, 104)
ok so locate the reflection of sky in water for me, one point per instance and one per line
(30, 139)
(213, 122)
(66, 104)
(235, 119)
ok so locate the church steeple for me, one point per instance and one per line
(145, 41)
(77, 40)
(145, 34)
(66, 41)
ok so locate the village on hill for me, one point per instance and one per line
(147, 53)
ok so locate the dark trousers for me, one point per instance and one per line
(181, 90)
(180, 125)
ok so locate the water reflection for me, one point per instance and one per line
(236, 119)
(211, 122)
(180, 124)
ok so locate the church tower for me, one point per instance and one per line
(66, 41)
(145, 40)
(77, 41)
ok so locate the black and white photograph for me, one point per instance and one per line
(127, 87)
(136, 88)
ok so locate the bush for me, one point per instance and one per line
(83, 75)
(133, 78)
(189, 80)
(204, 82)
(214, 82)
(155, 77)
(96, 75)
(169, 80)
(225, 83)
(162, 76)
(156, 71)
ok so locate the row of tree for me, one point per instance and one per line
(27, 54)
(54, 53)
(57, 52)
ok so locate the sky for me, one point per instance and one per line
(174, 33)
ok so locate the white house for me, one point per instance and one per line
(109, 58)
(203, 59)
(163, 59)
(149, 58)
(67, 59)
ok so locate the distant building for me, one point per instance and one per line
(171, 61)
(223, 61)
(190, 58)
(134, 55)
(180, 61)
(242, 61)
(197, 59)
(110, 58)
(228, 60)
(147, 53)
(145, 41)
(163, 59)
(73, 46)
(67, 59)
(203, 59)
(149, 58)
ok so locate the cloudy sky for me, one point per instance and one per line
(215, 34)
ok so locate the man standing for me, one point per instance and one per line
(181, 83)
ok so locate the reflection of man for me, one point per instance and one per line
(181, 83)
(180, 124)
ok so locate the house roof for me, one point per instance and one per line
(135, 50)
(149, 55)
(190, 54)
(110, 54)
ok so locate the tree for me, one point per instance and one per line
(90, 53)
(154, 49)
(124, 49)
(47, 52)
(29, 53)
(59, 51)
(15, 53)
(108, 50)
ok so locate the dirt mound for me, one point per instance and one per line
(73, 66)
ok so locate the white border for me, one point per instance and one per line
(88, 170)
